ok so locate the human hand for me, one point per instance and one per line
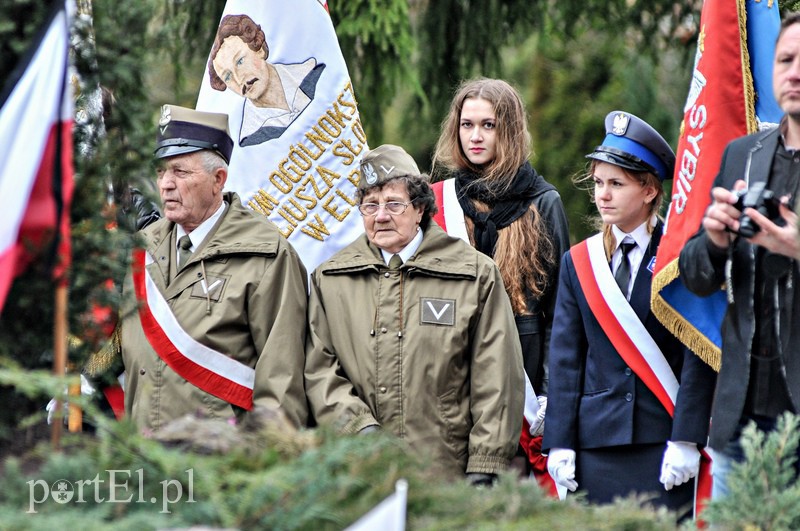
(537, 427)
(680, 464)
(561, 466)
(722, 217)
(784, 239)
(86, 389)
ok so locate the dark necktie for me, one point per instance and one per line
(395, 262)
(623, 274)
(184, 244)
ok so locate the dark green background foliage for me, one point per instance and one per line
(21, 19)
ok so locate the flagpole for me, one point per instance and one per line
(59, 353)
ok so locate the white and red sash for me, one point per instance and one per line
(630, 338)
(621, 324)
(450, 216)
(205, 368)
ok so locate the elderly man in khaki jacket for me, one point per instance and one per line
(217, 297)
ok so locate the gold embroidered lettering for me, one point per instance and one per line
(331, 209)
(316, 230)
(310, 201)
(281, 182)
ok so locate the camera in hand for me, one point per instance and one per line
(764, 201)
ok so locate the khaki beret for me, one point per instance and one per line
(385, 163)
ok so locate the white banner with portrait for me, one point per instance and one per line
(276, 69)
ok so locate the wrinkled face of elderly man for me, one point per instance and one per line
(191, 186)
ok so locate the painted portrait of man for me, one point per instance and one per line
(274, 94)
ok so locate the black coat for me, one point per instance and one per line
(534, 329)
(702, 268)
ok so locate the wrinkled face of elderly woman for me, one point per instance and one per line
(390, 219)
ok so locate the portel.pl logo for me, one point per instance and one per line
(112, 489)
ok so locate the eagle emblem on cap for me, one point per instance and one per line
(166, 116)
(620, 124)
(370, 174)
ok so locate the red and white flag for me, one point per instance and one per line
(276, 69)
(730, 96)
(36, 176)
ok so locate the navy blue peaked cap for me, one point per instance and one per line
(633, 144)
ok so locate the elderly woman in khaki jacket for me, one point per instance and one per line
(411, 330)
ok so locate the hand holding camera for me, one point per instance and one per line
(764, 201)
(767, 227)
(773, 225)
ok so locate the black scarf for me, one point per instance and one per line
(505, 207)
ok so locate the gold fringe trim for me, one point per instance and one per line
(101, 361)
(673, 321)
(747, 74)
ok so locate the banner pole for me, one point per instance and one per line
(59, 353)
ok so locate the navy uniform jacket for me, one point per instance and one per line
(595, 399)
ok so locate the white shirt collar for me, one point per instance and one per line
(408, 251)
(640, 235)
(199, 234)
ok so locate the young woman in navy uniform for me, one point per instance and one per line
(628, 405)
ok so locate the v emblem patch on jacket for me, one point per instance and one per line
(437, 311)
(210, 287)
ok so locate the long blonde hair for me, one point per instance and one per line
(524, 249)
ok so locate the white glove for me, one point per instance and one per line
(86, 389)
(561, 465)
(537, 428)
(681, 463)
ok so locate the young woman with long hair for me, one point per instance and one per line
(497, 201)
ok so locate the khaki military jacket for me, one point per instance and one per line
(253, 311)
(429, 352)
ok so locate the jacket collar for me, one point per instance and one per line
(233, 233)
(640, 296)
(438, 255)
(761, 155)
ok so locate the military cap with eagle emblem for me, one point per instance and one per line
(385, 163)
(633, 144)
(182, 130)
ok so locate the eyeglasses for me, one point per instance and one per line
(392, 207)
